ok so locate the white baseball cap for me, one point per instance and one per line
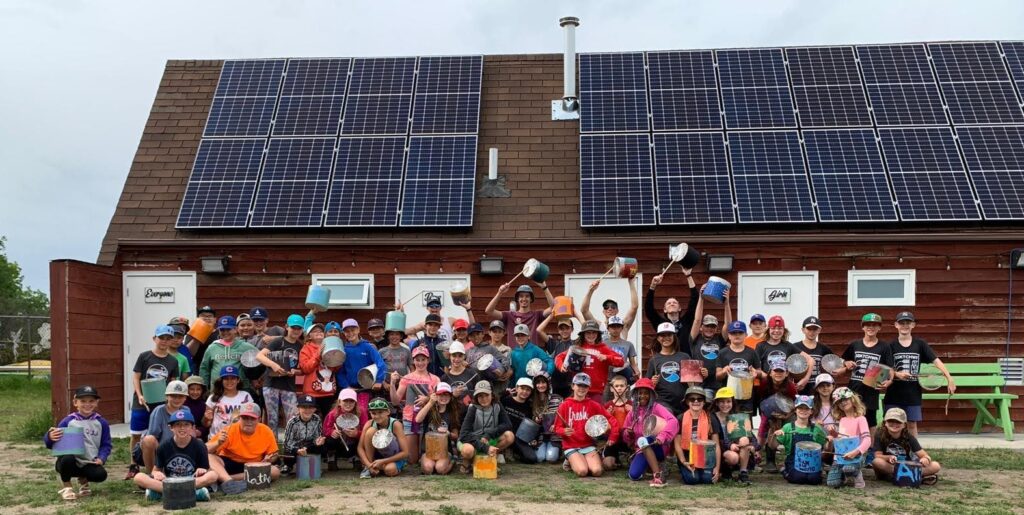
(666, 327)
(525, 381)
(823, 378)
(456, 347)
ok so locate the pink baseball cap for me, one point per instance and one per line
(421, 351)
(347, 394)
(443, 387)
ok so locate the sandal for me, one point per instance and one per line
(83, 490)
(930, 480)
(463, 468)
(67, 493)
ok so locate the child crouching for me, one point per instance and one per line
(88, 466)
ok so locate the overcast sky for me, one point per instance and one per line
(77, 79)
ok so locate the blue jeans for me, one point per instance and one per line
(698, 476)
(548, 451)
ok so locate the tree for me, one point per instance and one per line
(15, 298)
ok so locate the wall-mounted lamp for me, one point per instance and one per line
(720, 263)
(214, 264)
(491, 266)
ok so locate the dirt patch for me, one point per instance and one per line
(25, 462)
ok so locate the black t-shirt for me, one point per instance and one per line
(177, 461)
(767, 353)
(816, 353)
(741, 361)
(907, 392)
(707, 350)
(903, 448)
(151, 366)
(670, 389)
(561, 383)
(290, 351)
(866, 356)
(516, 410)
(468, 378)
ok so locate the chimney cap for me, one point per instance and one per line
(569, 20)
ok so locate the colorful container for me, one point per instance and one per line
(689, 371)
(332, 354)
(460, 292)
(71, 443)
(714, 290)
(703, 454)
(200, 330)
(742, 384)
(843, 446)
(318, 297)
(807, 457)
(625, 267)
(485, 467)
(536, 271)
(394, 321)
(907, 474)
(153, 390)
(685, 255)
(738, 425)
(307, 468)
(436, 445)
(876, 375)
(563, 308)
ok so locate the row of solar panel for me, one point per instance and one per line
(818, 87)
(333, 182)
(762, 176)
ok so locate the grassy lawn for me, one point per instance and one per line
(974, 481)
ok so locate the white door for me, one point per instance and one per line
(152, 299)
(576, 286)
(415, 290)
(792, 295)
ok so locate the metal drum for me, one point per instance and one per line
(685, 255)
(807, 457)
(153, 390)
(563, 308)
(597, 427)
(534, 367)
(332, 354)
(653, 425)
(528, 430)
(257, 475)
(385, 443)
(488, 366)
(796, 364)
(367, 376)
(703, 454)
(179, 493)
(577, 357)
(346, 421)
(307, 468)
(625, 267)
(394, 321)
(536, 271)
(460, 292)
(485, 467)
(843, 446)
(318, 297)
(742, 384)
(738, 425)
(831, 362)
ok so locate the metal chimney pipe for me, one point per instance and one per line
(569, 23)
(492, 164)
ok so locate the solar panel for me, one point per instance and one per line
(294, 183)
(312, 97)
(439, 181)
(1014, 51)
(367, 182)
(250, 78)
(692, 175)
(771, 184)
(380, 96)
(927, 176)
(450, 74)
(995, 162)
(755, 90)
(222, 183)
(827, 88)
(613, 93)
(243, 104)
(684, 91)
(447, 95)
(975, 83)
(900, 85)
(849, 180)
(616, 180)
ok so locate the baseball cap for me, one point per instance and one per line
(195, 380)
(823, 378)
(581, 378)
(258, 313)
(871, 318)
(421, 351)
(666, 327)
(590, 325)
(249, 409)
(317, 326)
(565, 321)
(905, 315)
(434, 302)
(609, 303)
(178, 320)
(432, 319)
(460, 324)
(812, 321)
(757, 317)
(896, 414)
(182, 415)
(498, 324)
(206, 309)
(349, 322)
(615, 320)
(709, 320)
(737, 326)
(725, 393)
(374, 322)
(348, 394)
(776, 321)
(482, 387)
(305, 400)
(842, 393)
(295, 320)
(522, 329)
(525, 381)
(176, 388)
(226, 322)
(443, 387)
(243, 316)
(86, 391)
(456, 348)
(475, 328)
(163, 330)
(332, 326)
(228, 371)
(804, 400)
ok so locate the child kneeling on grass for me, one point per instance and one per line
(895, 443)
(87, 467)
(183, 455)
(391, 459)
(803, 429)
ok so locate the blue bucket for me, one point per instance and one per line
(714, 290)
(394, 321)
(807, 457)
(843, 446)
(318, 297)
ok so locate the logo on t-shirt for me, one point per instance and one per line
(670, 371)
(897, 450)
(157, 371)
(776, 358)
(179, 466)
(864, 360)
(709, 350)
(907, 362)
(739, 365)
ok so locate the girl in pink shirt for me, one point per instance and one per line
(414, 389)
(848, 410)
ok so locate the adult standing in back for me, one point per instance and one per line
(671, 312)
(524, 312)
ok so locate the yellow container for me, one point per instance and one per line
(485, 467)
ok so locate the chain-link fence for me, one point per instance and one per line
(25, 344)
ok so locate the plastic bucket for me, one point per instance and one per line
(843, 446)
(625, 267)
(714, 290)
(318, 297)
(460, 292)
(536, 270)
(742, 385)
(394, 321)
(685, 255)
(153, 390)
(307, 468)
(877, 374)
(332, 354)
(907, 474)
(200, 330)
(179, 493)
(562, 308)
(436, 445)
(807, 457)
(72, 443)
(485, 467)
(367, 376)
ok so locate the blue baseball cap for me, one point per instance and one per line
(737, 326)
(163, 330)
(332, 326)
(229, 371)
(757, 318)
(182, 415)
(476, 328)
(258, 313)
(296, 321)
(226, 322)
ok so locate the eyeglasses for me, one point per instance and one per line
(692, 400)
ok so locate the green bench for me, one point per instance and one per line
(985, 380)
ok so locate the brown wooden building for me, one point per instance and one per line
(958, 275)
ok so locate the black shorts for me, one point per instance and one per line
(232, 467)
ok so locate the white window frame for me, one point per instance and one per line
(909, 277)
(365, 280)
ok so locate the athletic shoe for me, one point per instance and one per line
(858, 481)
(233, 487)
(132, 470)
(744, 478)
(212, 488)
(153, 495)
(365, 474)
(657, 482)
(202, 495)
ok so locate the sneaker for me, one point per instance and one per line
(202, 495)
(858, 481)
(212, 488)
(365, 474)
(132, 470)
(658, 481)
(153, 495)
(565, 465)
(929, 480)
(771, 468)
(285, 469)
(745, 478)
(501, 459)
(233, 487)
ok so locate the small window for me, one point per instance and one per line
(881, 287)
(350, 291)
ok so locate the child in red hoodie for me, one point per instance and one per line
(599, 359)
(581, 451)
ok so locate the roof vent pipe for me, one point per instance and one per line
(568, 107)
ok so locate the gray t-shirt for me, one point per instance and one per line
(625, 349)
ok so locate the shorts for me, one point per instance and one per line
(232, 467)
(411, 428)
(913, 412)
(582, 450)
(139, 422)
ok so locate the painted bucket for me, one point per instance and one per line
(332, 354)
(714, 290)
(251, 367)
(689, 371)
(347, 421)
(536, 270)
(796, 364)
(153, 390)
(534, 366)
(625, 267)
(318, 297)
(367, 376)
(702, 454)
(307, 468)
(577, 358)
(485, 467)
(488, 366)
(436, 445)
(597, 427)
(843, 446)
(200, 330)
(807, 457)
(738, 425)
(528, 430)
(257, 475)
(179, 493)
(907, 474)
(71, 443)
(653, 425)
(562, 308)
(385, 443)
(877, 374)
(685, 255)
(742, 384)
(831, 362)
(460, 292)
(394, 321)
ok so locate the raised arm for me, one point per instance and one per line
(698, 314)
(634, 299)
(492, 307)
(649, 311)
(727, 316)
(547, 295)
(585, 308)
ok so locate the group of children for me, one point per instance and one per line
(540, 398)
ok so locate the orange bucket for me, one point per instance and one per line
(563, 308)
(200, 330)
(485, 467)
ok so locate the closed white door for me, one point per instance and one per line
(576, 286)
(415, 290)
(792, 295)
(152, 299)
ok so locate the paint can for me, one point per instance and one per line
(257, 475)
(563, 308)
(153, 390)
(460, 292)
(625, 267)
(685, 255)
(807, 457)
(394, 321)
(179, 493)
(307, 468)
(535, 270)
(714, 290)
(318, 297)
(71, 443)
(367, 376)
(332, 354)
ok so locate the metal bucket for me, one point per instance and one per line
(318, 297)
(907, 474)
(307, 468)
(653, 425)
(689, 371)
(385, 443)
(796, 364)
(528, 430)
(831, 362)
(685, 255)
(625, 267)
(535, 270)
(703, 454)
(485, 467)
(460, 292)
(367, 376)
(843, 446)
(332, 354)
(394, 321)
(347, 421)
(807, 457)
(738, 425)
(179, 493)
(714, 290)
(742, 384)
(597, 427)
(489, 366)
(71, 443)
(257, 475)
(251, 367)
(153, 390)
